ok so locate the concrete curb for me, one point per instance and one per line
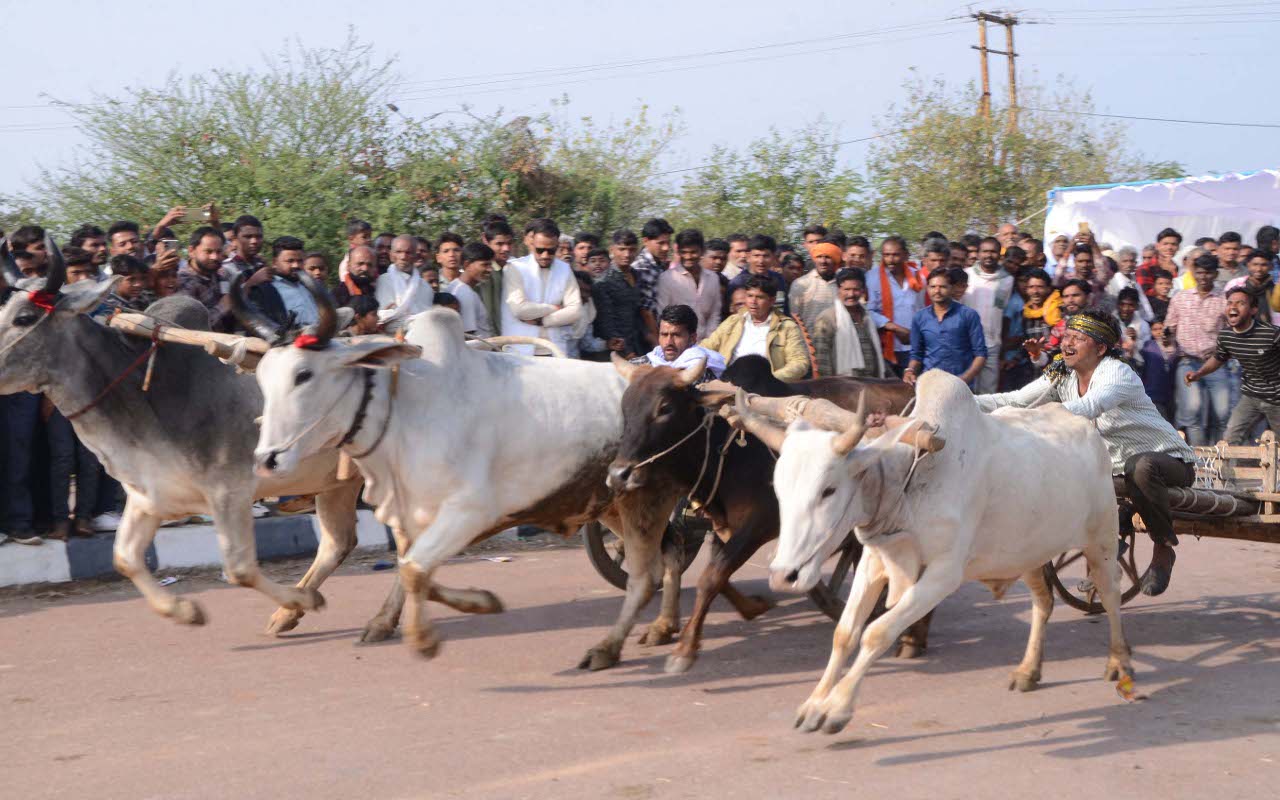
(179, 547)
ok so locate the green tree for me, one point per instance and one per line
(778, 184)
(308, 142)
(947, 168)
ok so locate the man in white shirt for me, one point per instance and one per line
(990, 287)
(676, 346)
(687, 284)
(541, 296)
(477, 264)
(401, 292)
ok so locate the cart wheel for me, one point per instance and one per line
(605, 550)
(1068, 575)
(829, 595)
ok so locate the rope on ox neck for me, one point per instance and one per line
(143, 358)
(386, 421)
(316, 422)
(708, 420)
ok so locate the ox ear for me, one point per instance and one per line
(85, 296)
(379, 353)
(624, 367)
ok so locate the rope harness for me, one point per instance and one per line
(708, 420)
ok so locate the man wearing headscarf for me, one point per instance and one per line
(815, 291)
(1147, 456)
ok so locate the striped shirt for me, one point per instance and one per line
(1125, 417)
(1258, 351)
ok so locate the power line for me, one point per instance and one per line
(1156, 119)
(712, 163)
(426, 94)
(510, 76)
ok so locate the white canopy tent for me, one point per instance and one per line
(1133, 213)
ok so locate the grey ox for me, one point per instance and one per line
(183, 447)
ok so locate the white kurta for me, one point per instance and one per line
(402, 295)
(532, 294)
(475, 319)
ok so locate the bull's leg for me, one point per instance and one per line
(1027, 676)
(714, 579)
(385, 622)
(233, 518)
(336, 513)
(1105, 569)
(663, 629)
(869, 581)
(915, 641)
(137, 529)
(455, 526)
(835, 711)
(748, 606)
(642, 519)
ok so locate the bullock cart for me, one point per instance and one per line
(604, 550)
(1236, 496)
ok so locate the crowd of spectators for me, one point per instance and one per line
(1197, 320)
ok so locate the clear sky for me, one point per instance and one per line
(1206, 61)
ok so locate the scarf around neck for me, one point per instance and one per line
(886, 304)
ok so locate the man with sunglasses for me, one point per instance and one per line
(540, 295)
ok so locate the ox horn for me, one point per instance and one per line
(57, 273)
(11, 272)
(844, 442)
(692, 373)
(253, 321)
(327, 325)
(756, 425)
(624, 367)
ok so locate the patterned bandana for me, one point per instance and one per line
(1095, 329)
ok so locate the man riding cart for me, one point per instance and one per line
(1147, 454)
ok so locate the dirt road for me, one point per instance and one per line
(100, 698)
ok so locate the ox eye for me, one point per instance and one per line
(827, 492)
(25, 320)
(664, 409)
(302, 377)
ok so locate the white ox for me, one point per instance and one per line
(974, 509)
(466, 444)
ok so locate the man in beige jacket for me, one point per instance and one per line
(759, 330)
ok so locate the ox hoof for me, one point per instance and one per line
(910, 650)
(659, 633)
(678, 663)
(312, 600)
(1116, 670)
(283, 621)
(753, 606)
(488, 604)
(598, 658)
(1024, 682)
(377, 631)
(829, 723)
(188, 612)
(426, 644)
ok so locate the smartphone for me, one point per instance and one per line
(169, 244)
(1082, 227)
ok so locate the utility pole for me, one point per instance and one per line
(984, 105)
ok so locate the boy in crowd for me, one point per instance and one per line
(1158, 360)
(365, 322)
(316, 264)
(477, 266)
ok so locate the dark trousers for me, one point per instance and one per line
(21, 419)
(1147, 478)
(67, 457)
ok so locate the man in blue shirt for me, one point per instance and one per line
(946, 335)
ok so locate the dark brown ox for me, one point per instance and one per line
(673, 436)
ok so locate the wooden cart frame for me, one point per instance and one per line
(1240, 475)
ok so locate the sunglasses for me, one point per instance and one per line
(544, 251)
